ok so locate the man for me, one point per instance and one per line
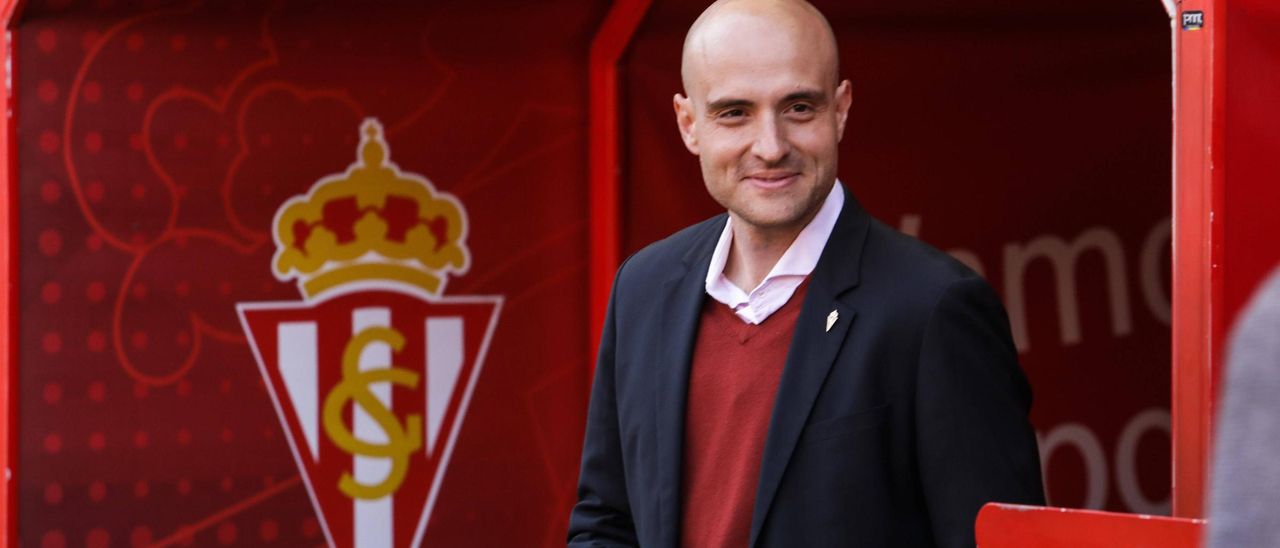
(794, 373)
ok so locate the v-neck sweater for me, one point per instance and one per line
(733, 381)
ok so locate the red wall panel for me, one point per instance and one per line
(157, 141)
(1252, 137)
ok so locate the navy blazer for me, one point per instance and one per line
(891, 429)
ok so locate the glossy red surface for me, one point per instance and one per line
(1015, 526)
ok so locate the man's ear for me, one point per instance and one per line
(686, 121)
(844, 98)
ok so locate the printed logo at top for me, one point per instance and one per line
(372, 370)
(1192, 20)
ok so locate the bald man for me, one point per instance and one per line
(793, 372)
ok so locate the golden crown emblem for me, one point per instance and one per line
(371, 223)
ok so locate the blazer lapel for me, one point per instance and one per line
(681, 308)
(813, 350)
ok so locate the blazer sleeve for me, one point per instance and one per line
(974, 443)
(602, 515)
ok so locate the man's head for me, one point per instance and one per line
(763, 109)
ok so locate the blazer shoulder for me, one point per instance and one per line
(909, 268)
(932, 264)
(658, 260)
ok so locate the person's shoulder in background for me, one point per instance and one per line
(1245, 482)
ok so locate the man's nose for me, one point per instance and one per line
(771, 144)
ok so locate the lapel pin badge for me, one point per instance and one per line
(831, 319)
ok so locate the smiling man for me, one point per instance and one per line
(794, 372)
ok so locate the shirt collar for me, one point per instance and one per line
(799, 259)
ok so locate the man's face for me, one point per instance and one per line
(764, 115)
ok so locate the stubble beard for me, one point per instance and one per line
(783, 215)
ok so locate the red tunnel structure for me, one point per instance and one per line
(1108, 166)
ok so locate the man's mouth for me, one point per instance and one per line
(772, 180)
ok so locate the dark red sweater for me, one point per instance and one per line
(732, 383)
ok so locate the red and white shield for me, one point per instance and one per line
(371, 387)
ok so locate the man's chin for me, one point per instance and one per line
(772, 221)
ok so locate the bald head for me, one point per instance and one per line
(763, 24)
(764, 112)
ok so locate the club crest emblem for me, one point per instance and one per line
(372, 371)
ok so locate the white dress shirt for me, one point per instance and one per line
(791, 270)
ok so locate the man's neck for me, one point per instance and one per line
(754, 252)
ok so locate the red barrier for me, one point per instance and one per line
(1017, 526)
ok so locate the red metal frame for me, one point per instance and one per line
(1198, 328)
(1016, 526)
(9, 10)
(603, 156)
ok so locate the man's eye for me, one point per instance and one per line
(733, 113)
(802, 108)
